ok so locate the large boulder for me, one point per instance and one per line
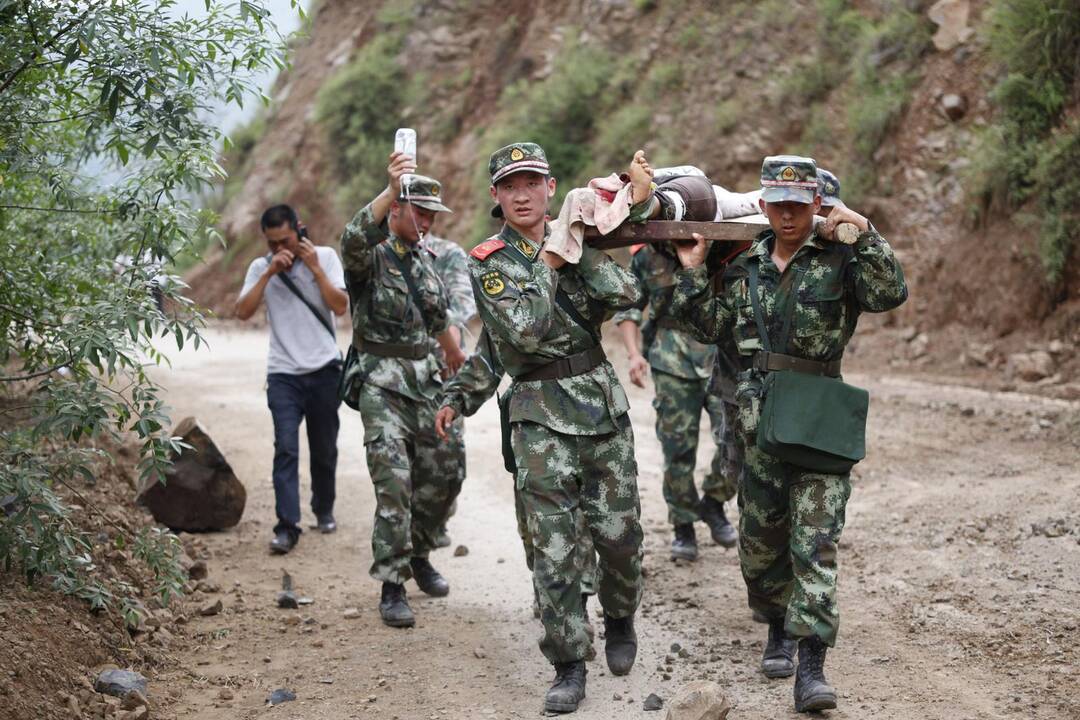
(201, 492)
(699, 700)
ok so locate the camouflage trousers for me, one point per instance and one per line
(678, 403)
(570, 485)
(586, 553)
(416, 477)
(790, 520)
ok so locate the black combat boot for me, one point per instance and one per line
(812, 690)
(684, 546)
(568, 689)
(394, 608)
(428, 578)
(711, 512)
(778, 660)
(620, 644)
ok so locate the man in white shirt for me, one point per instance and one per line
(304, 288)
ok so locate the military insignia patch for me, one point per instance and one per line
(788, 174)
(399, 247)
(492, 283)
(830, 188)
(516, 154)
(525, 248)
(435, 190)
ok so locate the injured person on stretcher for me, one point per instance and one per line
(642, 193)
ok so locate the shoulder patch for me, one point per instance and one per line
(634, 249)
(481, 251)
(492, 283)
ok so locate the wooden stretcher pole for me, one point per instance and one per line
(738, 232)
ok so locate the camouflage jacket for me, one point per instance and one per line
(515, 294)
(839, 282)
(452, 265)
(667, 348)
(383, 310)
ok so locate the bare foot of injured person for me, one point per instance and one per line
(640, 177)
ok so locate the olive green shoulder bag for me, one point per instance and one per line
(812, 421)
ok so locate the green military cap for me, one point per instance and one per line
(423, 191)
(828, 188)
(514, 158)
(789, 178)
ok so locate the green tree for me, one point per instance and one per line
(106, 134)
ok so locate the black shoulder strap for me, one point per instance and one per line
(314, 310)
(561, 298)
(789, 311)
(413, 291)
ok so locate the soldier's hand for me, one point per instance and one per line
(282, 260)
(692, 254)
(838, 216)
(307, 253)
(443, 419)
(639, 370)
(400, 164)
(455, 358)
(552, 260)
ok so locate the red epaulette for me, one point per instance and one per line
(481, 251)
(634, 248)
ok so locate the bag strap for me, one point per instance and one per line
(414, 292)
(789, 311)
(562, 299)
(314, 310)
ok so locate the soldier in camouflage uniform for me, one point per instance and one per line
(392, 377)
(829, 189)
(451, 265)
(791, 518)
(566, 415)
(681, 368)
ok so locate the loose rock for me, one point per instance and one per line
(119, 682)
(954, 106)
(212, 609)
(225, 694)
(699, 700)
(461, 551)
(201, 491)
(134, 699)
(951, 17)
(653, 702)
(351, 613)
(281, 695)
(198, 570)
(1031, 366)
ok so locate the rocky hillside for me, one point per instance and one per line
(904, 101)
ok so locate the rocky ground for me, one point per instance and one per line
(959, 582)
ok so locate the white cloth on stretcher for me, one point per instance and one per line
(605, 204)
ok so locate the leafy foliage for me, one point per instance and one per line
(106, 133)
(1031, 149)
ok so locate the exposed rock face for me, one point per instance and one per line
(201, 491)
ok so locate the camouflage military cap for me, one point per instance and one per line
(828, 188)
(789, 178)
(423, 191)
(518, 157)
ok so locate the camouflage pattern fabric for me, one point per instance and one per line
(571, 436)
(572, 485)
(451, 264)
(416, 477)
(678, 405)
(791, 519)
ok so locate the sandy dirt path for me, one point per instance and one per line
(959, 582)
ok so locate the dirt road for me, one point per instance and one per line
(959, 581)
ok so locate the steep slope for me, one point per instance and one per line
(859, 85)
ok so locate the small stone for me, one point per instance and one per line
(653, 702)
(675, 647)
(616, 696)
(461, 551)
(212, 609)
(198, 570)
(281, 695)
(225, 694)
(351, 613)
(292, 620)
(134, 699)
(119, 682)
(967, 411)
(699, 700)
(1031, 366)
(954, 106)
(479, 653)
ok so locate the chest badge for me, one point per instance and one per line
(492, 283)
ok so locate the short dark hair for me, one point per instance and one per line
(278, 215)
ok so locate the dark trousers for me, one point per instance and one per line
(293, 398)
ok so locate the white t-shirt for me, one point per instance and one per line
(299, 343)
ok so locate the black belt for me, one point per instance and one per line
(569, 366)
(766, 361)
(406, 351)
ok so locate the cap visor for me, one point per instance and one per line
(533, 167)
(788, 194)
(432, 206)
(831, 202)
